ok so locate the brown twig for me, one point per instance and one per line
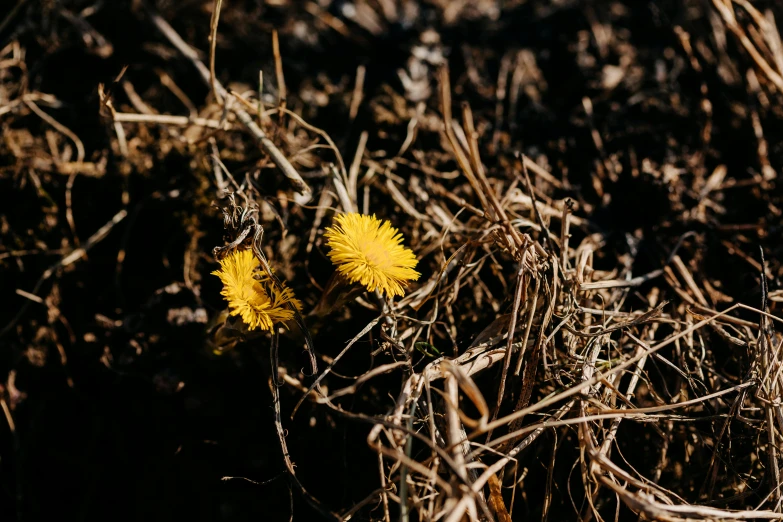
(278, 158)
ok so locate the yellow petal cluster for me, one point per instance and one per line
(251, 294)
(368, 250)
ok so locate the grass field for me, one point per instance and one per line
(566, 307)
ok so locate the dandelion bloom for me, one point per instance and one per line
(370, 251)
(257, 300)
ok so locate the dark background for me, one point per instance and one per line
(144, 421)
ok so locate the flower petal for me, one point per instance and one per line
(368, 250)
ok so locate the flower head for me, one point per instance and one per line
(252, 294)
(370, 251)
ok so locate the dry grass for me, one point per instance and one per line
(595, 333)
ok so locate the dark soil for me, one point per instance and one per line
(119, 406)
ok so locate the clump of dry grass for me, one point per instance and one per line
(572, 349)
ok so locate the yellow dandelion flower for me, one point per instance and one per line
(253, 295)
(369, 250)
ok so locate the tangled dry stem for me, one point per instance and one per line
(574, 364)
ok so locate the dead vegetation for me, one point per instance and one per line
(591, 190)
